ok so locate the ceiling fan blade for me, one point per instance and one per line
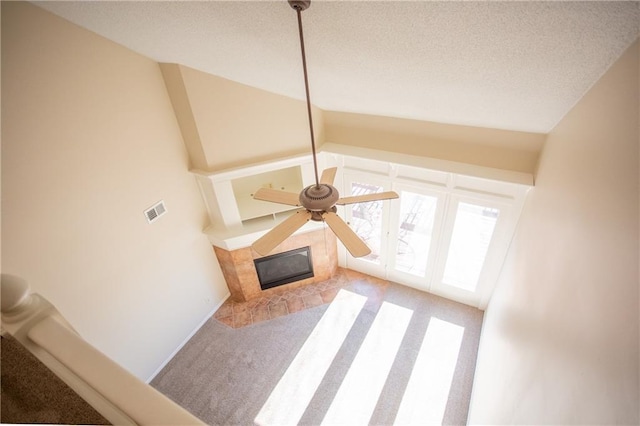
(328, 175)
(281, 232)
(277, 196)
(349, 238)
(387, 195)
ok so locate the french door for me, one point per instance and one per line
(444, 241)
(471, 251)
(414, 234)
(369, 220)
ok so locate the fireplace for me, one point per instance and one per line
(284, 268)
(240, 270)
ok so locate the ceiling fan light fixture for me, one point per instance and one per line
(320, 199)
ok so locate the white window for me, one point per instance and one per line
(446, 234)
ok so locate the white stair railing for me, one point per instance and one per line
(116, 394)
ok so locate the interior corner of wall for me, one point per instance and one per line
(173, 76)
(539, 160)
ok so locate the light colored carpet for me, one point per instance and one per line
(224, 376)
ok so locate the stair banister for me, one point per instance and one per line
(116, 394)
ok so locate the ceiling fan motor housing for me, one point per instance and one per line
(319, 198)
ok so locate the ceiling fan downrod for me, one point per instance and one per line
(299, 6)
(318, 201)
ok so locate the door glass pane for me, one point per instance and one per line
(417, 213)
(366, 219)
(472, 233)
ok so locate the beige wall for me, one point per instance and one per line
(560, 337)
(236, 124)
(501, 149)
(89, 140)
(227, 124)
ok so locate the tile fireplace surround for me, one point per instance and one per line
(241, 276)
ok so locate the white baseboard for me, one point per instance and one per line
(184, 342)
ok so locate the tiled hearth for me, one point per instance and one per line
(248, 304)
(286, 300)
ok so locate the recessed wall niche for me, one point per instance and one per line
(288, 179)
(228, 195)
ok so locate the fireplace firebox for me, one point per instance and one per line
(284, 268)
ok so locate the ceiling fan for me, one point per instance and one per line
(318, 201)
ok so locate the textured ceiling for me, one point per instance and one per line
(508, 65)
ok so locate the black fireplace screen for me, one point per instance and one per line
(283, 268)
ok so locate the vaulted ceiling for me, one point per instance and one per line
(507, 65)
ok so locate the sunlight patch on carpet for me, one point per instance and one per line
(360, 390)
(291, 396)
(425, 398)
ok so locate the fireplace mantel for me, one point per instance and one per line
(238, 220)
(243, 236)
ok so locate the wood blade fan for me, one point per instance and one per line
(318, 201)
